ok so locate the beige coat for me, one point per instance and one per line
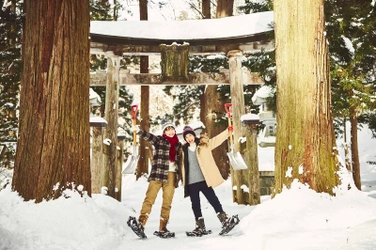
(206, 161)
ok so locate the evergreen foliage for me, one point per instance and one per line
(352, 46)
(263, 62)
(186, 101)
(104, 11)
(187, 98)
(11, 19)
(100, 10)
(350, 29)
(370, 119)
(256, 6)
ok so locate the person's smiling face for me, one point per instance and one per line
(190, 138)
(170, 131)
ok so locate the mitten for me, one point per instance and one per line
(135, 128)
(204, 138)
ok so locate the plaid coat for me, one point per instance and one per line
(161, 157)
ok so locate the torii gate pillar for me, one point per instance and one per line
(237, 101)
(111, 116)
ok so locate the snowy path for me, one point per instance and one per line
(296, 219)
(181, 220)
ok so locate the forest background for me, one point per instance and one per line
(351, 36)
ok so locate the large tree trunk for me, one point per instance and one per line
(354, 148)
(53, 150)
(145, 147)
(210, 103)
(209, 108)
(206, 10)
(305, 134)
(225, 8)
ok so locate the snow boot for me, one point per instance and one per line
(163, 231)
(200, 229)
(143, 218)
(222, 218)
(136, 227)
(227, 223)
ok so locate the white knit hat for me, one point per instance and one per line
(166, 124)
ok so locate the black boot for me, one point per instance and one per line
(200, 229)
(228, 223)
(222, 218)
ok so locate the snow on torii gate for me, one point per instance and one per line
(230, 35)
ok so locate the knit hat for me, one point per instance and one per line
(166, 124)
(188, 130)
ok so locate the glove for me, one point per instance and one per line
(230, 128)
(204, 138)
(135, 128)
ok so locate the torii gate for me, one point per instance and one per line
(230, 36)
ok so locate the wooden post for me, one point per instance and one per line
(251, 158)
(96, 164)
(96, 160)
(111, 115)
(119, 166)
(237, 100)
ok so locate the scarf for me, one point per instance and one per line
(172, 140)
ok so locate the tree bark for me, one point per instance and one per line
(206, 10)
(354, 148)
(225, 8)
(305, 134)
(53, 150)
(145, 147)
(210, 103)
(209, 108)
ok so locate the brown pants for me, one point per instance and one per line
(168, 189)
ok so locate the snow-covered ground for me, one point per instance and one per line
(297, 218)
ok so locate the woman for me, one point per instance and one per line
(201, 174)
(164, 174)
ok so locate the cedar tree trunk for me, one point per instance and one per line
(305, 134)
(53, 150)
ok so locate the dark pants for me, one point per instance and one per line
(194, 194)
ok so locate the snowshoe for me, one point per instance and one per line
(195, 233)
(136, 227)
(164, 235)
(230, 224)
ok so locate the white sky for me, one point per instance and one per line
(171, 11)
